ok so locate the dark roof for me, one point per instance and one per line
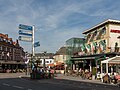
(61, 51)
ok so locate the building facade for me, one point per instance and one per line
(73, 48)
(40, 57)
(103, 38)
(101, 42)
(11, 53)
(60, 55)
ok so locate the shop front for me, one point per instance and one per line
(12, 66)
(90, 62)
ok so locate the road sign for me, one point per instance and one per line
(25, 27)
(36, 44)
(27, 33)
(22, 38)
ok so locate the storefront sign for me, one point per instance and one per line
(115, 31)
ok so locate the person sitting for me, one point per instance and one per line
(113, 78)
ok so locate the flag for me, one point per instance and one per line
(100, 48)
(8, 54)
(26, 62)
(88, 47)
(92, 48)
(103, 44)
(83, 47)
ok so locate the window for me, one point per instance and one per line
(103, 31)
(95, 33)
(47, 61)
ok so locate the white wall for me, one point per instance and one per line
(113, 36)
(47, 61)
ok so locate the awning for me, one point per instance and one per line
(84, 58)
(113, 60)
(90, 57)
(51, 65)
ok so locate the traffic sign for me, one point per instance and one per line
(36, 44)
(27, 33)
(25, 27)
(22, 38)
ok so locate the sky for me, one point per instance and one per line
(55, 21)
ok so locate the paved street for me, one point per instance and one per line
(15, 82)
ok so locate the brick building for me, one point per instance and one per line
(11, 53)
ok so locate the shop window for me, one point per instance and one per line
(0, 47)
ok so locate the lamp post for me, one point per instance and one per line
(44, 65)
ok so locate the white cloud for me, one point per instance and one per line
(56, 18)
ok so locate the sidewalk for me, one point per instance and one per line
(61, 76)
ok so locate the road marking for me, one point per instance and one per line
(18, 87)
(6, 84)
(29, 89)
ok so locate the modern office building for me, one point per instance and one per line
(73, 48)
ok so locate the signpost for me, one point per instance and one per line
(25, 27)
(26, 33)
(36, 44)
(23, 38)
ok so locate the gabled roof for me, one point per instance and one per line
(101, 24)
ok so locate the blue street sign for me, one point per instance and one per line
(28, 39)
(36, 44)
(21, 32)
(25, 27)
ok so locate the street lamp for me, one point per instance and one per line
(44, 53)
